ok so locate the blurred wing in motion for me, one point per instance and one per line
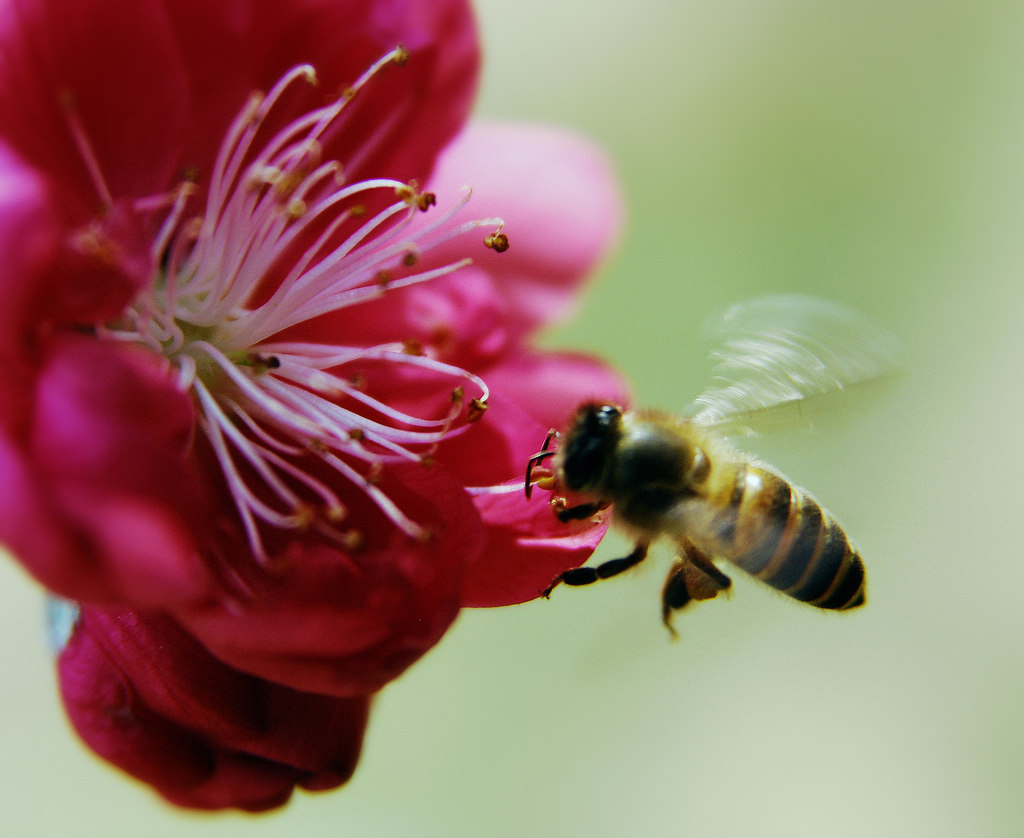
(778, 358)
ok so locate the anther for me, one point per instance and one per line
(261, 363)
(92, 241)
(260, 177)
(475, 410)
(335, 513)
(401, 56)
(305, 516)
(287, 182)
(497, 241)
(411, 195)
(353, 540)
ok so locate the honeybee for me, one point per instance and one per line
(680, 476)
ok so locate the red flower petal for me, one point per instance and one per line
(102, 478)
(527, 548)
(44, 280)
(171, 75)
(229, 50)
(28, 238)
(150, 699)
(347, 623)
(130, 95)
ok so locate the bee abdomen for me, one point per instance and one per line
(784, 538)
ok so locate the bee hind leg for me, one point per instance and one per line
(693, 576)
(588, 575)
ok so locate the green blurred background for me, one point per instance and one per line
(869, 152)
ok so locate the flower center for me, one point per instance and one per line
(285, 239)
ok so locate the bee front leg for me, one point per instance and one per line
(587, 575)
(693, 576)
(580, 512)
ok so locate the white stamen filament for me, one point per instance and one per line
(496, 489)
(81, 140)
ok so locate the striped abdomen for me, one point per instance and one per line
(775, 532)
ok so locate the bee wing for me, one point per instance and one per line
(778, 358)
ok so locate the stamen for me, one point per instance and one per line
(270, 408)
(246, 124)
(475, 411)
(498, 241)
(162, 242)
(81, 141)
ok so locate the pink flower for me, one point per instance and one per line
(245, 342)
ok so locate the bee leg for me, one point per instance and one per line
(580, 512)
(587, 575)
(693, 576)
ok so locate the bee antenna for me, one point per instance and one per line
(539, 457)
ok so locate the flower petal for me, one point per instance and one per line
(28, 238)
(106, 502)
(561, 204)
(398, 127)
(171, 75)
(345, 623)
(527, 548)
(130, 95)
(150, 699)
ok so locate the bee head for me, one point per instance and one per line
(589, 443)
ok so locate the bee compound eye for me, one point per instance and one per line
(606, 416)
